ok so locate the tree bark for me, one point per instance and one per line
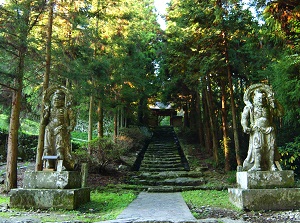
(234, 121)
(116, 124)
(40, 147)
(100, 119)
(207, 132)
(90, 127)
(212, 122)
(232, 103)
(199, 121)
(224, 128)
(12, 147)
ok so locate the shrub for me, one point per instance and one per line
(104, 151)
(101, 152)
(290, 155)
(27, 145)
(133, 138)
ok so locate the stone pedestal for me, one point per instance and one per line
(44, 190)
(52, 180)
(265, 190)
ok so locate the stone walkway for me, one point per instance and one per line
(161, 208)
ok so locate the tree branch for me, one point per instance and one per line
(9, 87)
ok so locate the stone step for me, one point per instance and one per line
(162, 165)
(165, 189)
(162, 149)
(153, 169)
(168, 174)
(155, 150)
(183, 181)
(160, 162)
(160, 158)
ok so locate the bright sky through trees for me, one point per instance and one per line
(160, 6)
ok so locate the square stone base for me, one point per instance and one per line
(68, 199)
(52, 180)
(265, 199)
(265, 179)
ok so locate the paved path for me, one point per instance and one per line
(161, 208)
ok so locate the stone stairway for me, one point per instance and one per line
(164, 167)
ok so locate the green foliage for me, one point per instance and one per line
(26, 142)
(290, 153)
(4, 122)
(27, 146)
(104, 151)
(101, 152)
(29, 127)
(286, 70)
(133, 138)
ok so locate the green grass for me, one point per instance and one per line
(4, 200)
(212, 198)
(104, 205)
(109, 204)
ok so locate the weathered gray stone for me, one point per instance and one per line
(257, 121)
(52, 180)
(265, 179)
(265, 199)
(68, 199)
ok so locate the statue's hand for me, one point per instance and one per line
(249, 105)
(247, 130)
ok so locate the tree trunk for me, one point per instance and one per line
(232, 104)
(212, 122)
(207, 135)
(234, 121)
(186, 117)
(12, 147)
(199, 121)
(90, 127)
(100, 119)
(40, 147)
(224, 128)
(116, 124)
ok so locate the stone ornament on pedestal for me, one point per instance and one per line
(260, 185)
(58, 186)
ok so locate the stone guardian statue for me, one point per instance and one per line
(258, 121)
(59, 120)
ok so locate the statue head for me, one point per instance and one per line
(58, 99)
(259, 98)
